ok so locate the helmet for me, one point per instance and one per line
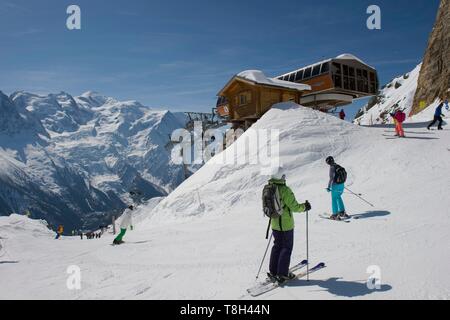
(278, 173)
(279, 176)
(330, 160)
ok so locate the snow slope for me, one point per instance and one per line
(206, 239)
(400, 91)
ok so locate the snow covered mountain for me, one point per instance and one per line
(73, 160)
(212, 227)
(397, 94)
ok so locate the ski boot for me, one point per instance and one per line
(343, 215)
(283, 279)
(335, 217)
(117, 242)
(271, 277)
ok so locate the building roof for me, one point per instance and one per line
(258, 77)
(345, 56)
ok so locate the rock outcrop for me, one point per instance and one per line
(434, 79)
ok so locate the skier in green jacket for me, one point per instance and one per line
(283, 231)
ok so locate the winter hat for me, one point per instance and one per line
(329, 160)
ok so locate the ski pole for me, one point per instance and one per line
(264, 258)
(307, 245)
(360, 197)
(358, 194)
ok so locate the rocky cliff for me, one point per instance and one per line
(434, 79)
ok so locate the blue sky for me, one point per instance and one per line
(178, 54)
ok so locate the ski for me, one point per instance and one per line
(328, 217)
(130, 242)
(269, 285)
(268, 281)
(298, 266)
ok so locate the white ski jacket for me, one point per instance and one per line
(127, 219)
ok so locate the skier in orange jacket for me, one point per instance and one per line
(60, 231)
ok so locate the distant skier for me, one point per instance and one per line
(438, 116)
(399, 117)
(283, 231)
(59, 232)
(81, 235)
(342, 114)
(336, 186)
(127, 221)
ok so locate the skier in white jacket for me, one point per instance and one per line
(127, 221)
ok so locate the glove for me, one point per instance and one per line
(328, 190)
(307, 206)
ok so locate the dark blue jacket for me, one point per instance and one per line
(438, 112)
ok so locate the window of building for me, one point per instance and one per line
(336, 68)
(360, 85)
(352, 83)
(299, 75)
(292, 77)
(366, 86)
(345, 69)
(316, 70)
(221, 101)
(307, 73)
(346, 83)
(351, 72)
(337, 81)
(244, 98)
(325, 67)
(337, 74)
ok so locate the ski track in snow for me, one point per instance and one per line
(212, 249)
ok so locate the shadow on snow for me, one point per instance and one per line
(371, 214)
(341, 288)
(415, 125)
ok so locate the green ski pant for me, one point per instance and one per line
(121, 234)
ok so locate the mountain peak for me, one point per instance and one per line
(90, 93)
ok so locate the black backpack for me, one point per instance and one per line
(272, 205)
(340, 175)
